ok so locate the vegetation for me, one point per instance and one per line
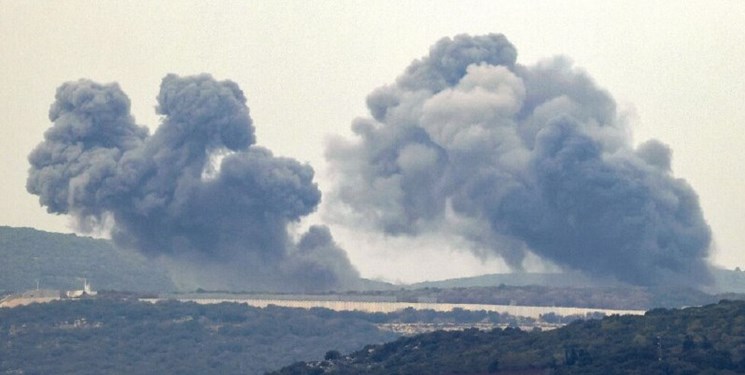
(705, 340)
(622, 298)
(111, 336)
(724, 281)
(59, 261)
(116, 333)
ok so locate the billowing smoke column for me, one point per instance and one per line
(166, 194)
(519, 159)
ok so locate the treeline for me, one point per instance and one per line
(116, 333)
(107, 336)
(708, 339)
(621, 298)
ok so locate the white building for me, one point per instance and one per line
(86, 291)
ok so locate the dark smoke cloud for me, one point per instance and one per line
(519, 159)
(197, 190)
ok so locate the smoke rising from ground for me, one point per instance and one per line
(198, 191)
(518, 159)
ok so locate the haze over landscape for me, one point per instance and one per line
(477, 153)
(348, 187)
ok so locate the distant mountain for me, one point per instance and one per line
(515, 279)
(61, 261)
(688, 341)
(725, 281)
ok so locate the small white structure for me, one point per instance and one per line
(86, 291)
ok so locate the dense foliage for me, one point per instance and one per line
(110, 334)
(708, 339)
(59, 261)
(107, 336)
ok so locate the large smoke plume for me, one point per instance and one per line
(519, 159)
(198, 191)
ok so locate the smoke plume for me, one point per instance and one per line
(198, 191)
(519, 159)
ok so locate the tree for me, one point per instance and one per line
(332, 355)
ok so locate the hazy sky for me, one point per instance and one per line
(306, 68)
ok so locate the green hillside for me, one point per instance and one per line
(113, 336)
(702, 340)
(724, 281)
(61, 261)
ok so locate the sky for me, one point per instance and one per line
(677, 70)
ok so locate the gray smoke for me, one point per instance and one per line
(198, 190)
(519, 159)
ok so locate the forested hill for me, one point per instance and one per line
(60, 261)
(708, 339)
(116, 336)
